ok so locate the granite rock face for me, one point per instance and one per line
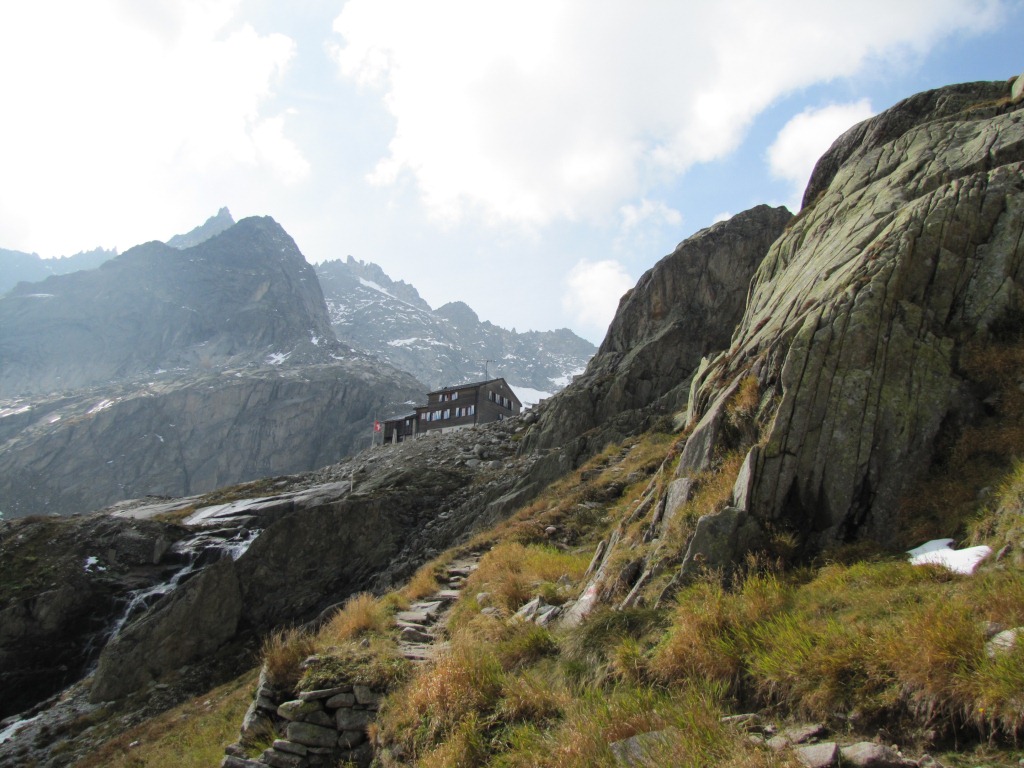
(195, 621)
(62, 582)
(912, 247)
(684, 308)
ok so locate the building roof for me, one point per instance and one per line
(467, 385)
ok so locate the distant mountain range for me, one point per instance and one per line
(386, 318)
(19, 267)
(170, 371)
(449, 345)
(178, 367)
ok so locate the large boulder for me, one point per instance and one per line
(911, 246)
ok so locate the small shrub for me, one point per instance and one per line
(465, 747)
(459, 685)
(590, 642)
(531, 697)
(698, 645)
(524, 643)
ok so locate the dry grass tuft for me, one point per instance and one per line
(283, 651)
(462, 683)
(362, 614)
(425, 582)
(698, 645)
(512, 574)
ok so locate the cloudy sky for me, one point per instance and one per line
(532, 158)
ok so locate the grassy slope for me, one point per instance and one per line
(860, 639)
(192, 735)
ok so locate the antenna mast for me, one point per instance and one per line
(487, 376)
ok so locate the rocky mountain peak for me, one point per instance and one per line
(459, 312)
(238, 297)
(450, 345)
(214, 225)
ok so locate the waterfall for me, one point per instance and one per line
(199, 551)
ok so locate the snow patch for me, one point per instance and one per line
(403, 342)
(529, 396)
(92, 565)
(565, 381)
(102, 405)
(39, 296)
(939, 552)
(276, 358)
(314, 339)
(376, 287)
(5, 412)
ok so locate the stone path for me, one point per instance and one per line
(422, 626)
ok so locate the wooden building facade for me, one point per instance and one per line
(458, 407)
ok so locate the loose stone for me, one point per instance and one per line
(312, 735)
(324, 693)
(341, 700)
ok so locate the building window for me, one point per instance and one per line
(471, 410)
(447, 414)
(455, 395)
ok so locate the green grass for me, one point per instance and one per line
(192, 735)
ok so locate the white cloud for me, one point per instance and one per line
(654, 211)
(275, 150)
(593, 290)
(807, 136)
(122, 111)
(723, 216)
(563, 109)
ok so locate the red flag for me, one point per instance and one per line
(377, 426)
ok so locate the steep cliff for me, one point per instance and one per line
(237, 298)
(846, 378)
(682, 309)
(192, 435)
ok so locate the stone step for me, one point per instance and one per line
(421, 618)
(457, 571)
(416, 635)
(420, 651)
(431, 607)
(447, 595)
(402, 624)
